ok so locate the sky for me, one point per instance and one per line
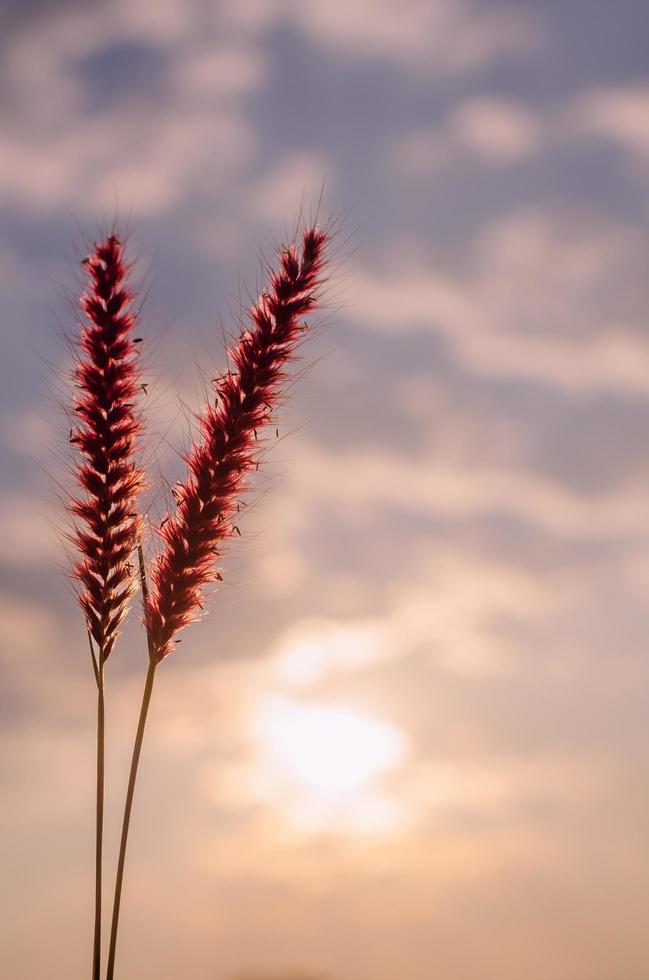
(410, 738)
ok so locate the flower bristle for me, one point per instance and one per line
(219, 462)
(106, 435)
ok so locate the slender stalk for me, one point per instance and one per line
(99, 834)
(137, 748)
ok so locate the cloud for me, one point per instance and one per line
(221, 72)
(437, 488)
(25, 627)
(493, 131)
(542, 296)
(617, 114)
(471, 593)
(418, 36)
(143, 164)
(141, 160)
(312, 650)
(447, 37)
(446, 620)
(253, 17)
(27, 532)
(57, 149)
(297, 177)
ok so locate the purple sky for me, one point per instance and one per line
(447, 566)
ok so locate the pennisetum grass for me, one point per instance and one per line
(105, 513)
(218, 463)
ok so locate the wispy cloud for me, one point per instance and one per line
(295, 179)
(495, 132)
(58, 150)
(444, 37)
(532, 303)
(616, 114)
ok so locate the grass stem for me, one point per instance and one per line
(137, 748)
(99, 834)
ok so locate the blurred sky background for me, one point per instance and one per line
(410, 740)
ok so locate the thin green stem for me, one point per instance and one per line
(99, 833)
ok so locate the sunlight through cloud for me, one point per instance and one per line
(331, 751)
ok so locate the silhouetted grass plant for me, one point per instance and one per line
(108, 527)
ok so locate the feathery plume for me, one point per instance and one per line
(220, 461)
(106, 434)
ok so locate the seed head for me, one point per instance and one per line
(105, 434)
(220, 460)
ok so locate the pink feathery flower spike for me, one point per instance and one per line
(220, 461)
(106, 434)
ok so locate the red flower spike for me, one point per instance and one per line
(220, 461)
(106, 435)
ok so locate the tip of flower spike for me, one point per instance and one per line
(313, 241)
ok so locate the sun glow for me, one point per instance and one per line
(332, 751)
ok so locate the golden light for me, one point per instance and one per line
(317, 648)
(332, 751)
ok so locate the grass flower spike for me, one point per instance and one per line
(220, 461)
(106, 431)
(217, 467)
(107, 524)
(106, 435)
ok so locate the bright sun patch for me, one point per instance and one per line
(332, 751)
